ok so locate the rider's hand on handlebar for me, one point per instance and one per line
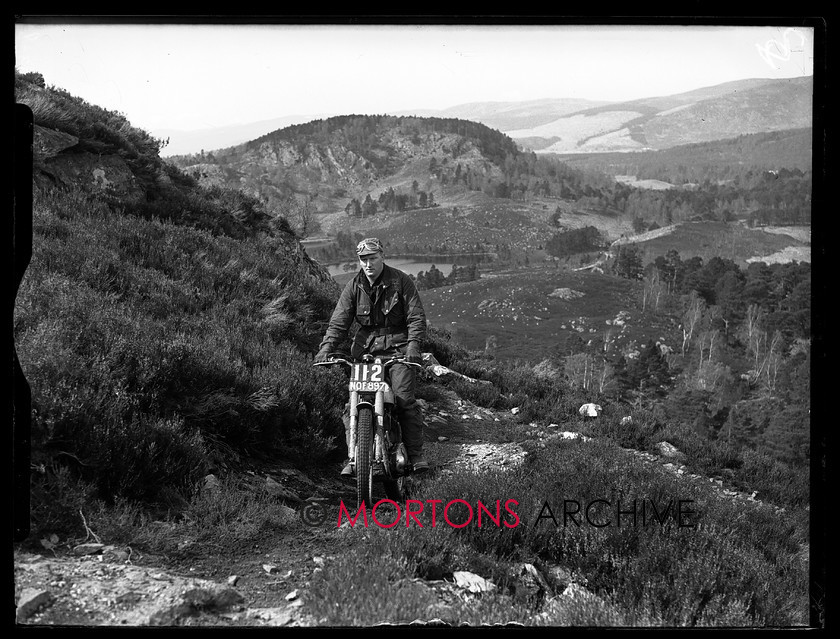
(322, 356)
(412, 353)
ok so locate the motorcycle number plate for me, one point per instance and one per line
(368, 387)
(366, 377)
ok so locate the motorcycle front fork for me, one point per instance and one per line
(379, 412)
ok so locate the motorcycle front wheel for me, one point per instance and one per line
(364, 457)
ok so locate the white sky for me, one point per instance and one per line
(197, 76)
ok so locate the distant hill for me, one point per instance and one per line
(509, 116)
(790, 148)
(435, 185)
(329, 162)
(183, 142)
(573, 125)
(712, 113)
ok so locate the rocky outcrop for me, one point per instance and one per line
(47, 143)
(565, 293)
(115, 593)
(58, 160)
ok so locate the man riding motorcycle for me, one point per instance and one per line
(384, 302)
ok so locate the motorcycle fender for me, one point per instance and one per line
(355, 413)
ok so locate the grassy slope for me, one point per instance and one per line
(707, 239)
(515, 307)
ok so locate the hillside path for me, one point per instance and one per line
(265, 585)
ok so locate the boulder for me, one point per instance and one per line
(88, 549)
(93, 173)
(472, 582)
(115, 554)
(590, 410)
(30, 601)
(276, 616)
(668, 450)
(47, 143)
(443, 371)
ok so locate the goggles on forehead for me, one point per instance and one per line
(369, 245)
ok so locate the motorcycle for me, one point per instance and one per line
(376, 447)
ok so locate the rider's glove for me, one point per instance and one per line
(323, 355)
(412, 353)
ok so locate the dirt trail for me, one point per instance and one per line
(265, 585)
(114, 586)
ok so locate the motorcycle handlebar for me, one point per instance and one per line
(398, 359)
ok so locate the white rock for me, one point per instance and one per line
(590, 410)
(472, 582)
(668, 450)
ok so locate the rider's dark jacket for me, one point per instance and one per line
(389, 314)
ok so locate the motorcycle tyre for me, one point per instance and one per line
(364, 457)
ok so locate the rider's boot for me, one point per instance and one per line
(419, 463)
(348, 470)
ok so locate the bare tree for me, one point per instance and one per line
(490, 346)
(652, 290)
(757, 346)
(691, 319)
(301, 211)
(585, 371)
(772, 362)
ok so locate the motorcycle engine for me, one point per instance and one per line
(400, 459)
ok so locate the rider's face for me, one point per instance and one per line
(372, 264)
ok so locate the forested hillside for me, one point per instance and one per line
(372, 165)
(708, 161)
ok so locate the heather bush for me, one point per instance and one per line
(373, 578)
(57, 496)
(147, 345)
(731, 561)
(723, 561)
(96, 127)
(439, 343)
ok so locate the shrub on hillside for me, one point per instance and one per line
(148, 345)
(439, 343)
(727, 563)
(57, 109)
(737, 565)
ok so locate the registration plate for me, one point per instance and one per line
(368, 387)
(367, 378)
